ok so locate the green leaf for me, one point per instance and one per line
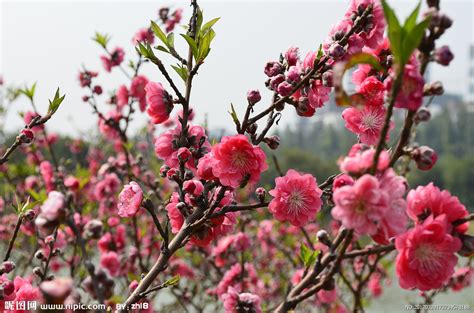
(161, 48)
(199, 21)
(307, 255)
(410, 22)
(182, 71)
(413, 39)
(192, 45)
(172, 281)
(55, 103)
(170, 40)
(101, 39)
(29, 92)
(205, 46)
(159, 33)
(209, 25)
(235, 118)
(395, 31)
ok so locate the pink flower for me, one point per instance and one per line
(47, 172)
(411, 94)
(367, 122)
(166, 147)
(144, 35)
(461, 278)
(54, 207)
(429, 199)
(122, 96)
(394, 222)
(107, 187)
(292, 56)
(373, 91)
(236, 161)
(373, 30)
(159, 101)
(130, 200)
(235, 302)
(137, 90)
(110, 261)
(375, 285)
(25, 292)
(72, 183)
(115, 59)
(426, 254)
(361, 158)
(105, 128)
(232, 277)
(297, 198)
(361, 206)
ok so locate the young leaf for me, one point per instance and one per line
(410, 22)
(161, 48)
(29, 92)
(182, 71)
(235, 118)
(395, 31)
(413, 39)
(172, 281)
(170, 40)
(209, 25)
(55, 103)
(101, 39)
(192, 45)
(159, 33)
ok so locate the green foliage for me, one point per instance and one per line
(102, 39)
(28, 92)
(56, 102)
(404, 39)
(308, 256)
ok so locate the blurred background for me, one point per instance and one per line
(49, 42)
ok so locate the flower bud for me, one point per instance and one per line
(26, 135)
(302, 106)
(467, 248)
(38, 272)
(273, 69)
(7, 267)
(164, 170)
(39, 255)
(434, 89)
(260, 192)
(445, 21)
(184, 154)
(293, 75)
(422, 115)
(327, 78)
(93, 229)
(284, 88)
(276, 81)
(173, 173)
(273, 142)
(49, 240)
(425, 158)
(30, 215)
(8, 288)
(336, 51)
(323, 237)
(443, 55)
(85, 98)
(97, 90)
(253, 96)
(433, 3)
(252, 128)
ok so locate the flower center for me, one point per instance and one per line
(370, 121)
(240, 160)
